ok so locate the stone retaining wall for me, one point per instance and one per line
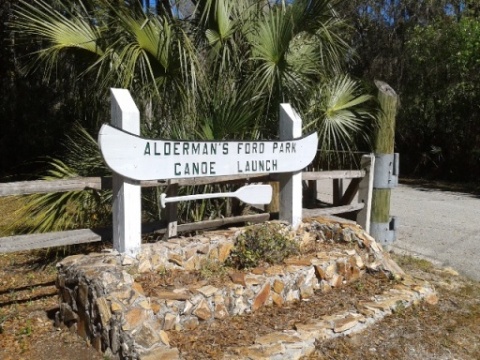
(103, 303)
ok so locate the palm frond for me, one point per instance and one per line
(82, 154)
(61, 28)
(231, 114)
(220, 74)
(154, 56)
(62, 211)
(339, 112)
(332, 47)
(270, 43)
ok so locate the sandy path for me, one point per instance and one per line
(439, 225)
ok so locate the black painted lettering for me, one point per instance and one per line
(274, 165)
(239, 147)
(239, 169)
(155, 151)
(176, 148)
(213, 149)
(195, 149)
(185, 148)
(275, 146)
(167, 148)
(212, 168)
(261, 148)
(176, 171)
(225, 149)
(195, 169)
(147, 149)
(293, 148)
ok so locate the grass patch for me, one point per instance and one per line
(414, 262)
(213, 269)
(8, 206)
(465, 187)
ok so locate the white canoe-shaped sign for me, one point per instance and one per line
(147, 159)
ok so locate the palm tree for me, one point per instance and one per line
(273, 53)
(218, 73)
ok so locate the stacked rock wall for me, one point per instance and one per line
(102, 301)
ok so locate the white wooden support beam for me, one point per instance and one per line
(127, 229)
(290, 183)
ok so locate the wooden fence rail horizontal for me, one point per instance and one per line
(105, 183)
(79, 236)
(335, 174)
(83, 236)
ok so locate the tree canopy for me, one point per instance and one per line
(212, 68)
(428, 52)
(218, 69)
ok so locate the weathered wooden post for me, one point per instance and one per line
(171, 211)
(127, 226)
(274, 206)
(382, 226)
(365, 188)
(290, 183)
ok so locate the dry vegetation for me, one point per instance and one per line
(8, 206)
(28, 303)
(448, 330)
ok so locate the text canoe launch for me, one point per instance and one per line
(138, 158)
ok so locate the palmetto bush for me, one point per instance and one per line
(72, 209)
(258, 244)
(219, 71)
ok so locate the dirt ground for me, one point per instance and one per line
(448, 330)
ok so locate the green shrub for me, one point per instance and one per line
(267, 243)
(212, 269)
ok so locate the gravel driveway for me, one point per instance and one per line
(439, 225)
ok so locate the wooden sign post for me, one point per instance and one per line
(127, 222)
(291, 183)
(133, 158)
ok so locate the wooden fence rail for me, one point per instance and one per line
(79, 236)
(83, 236)
(105, 183)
